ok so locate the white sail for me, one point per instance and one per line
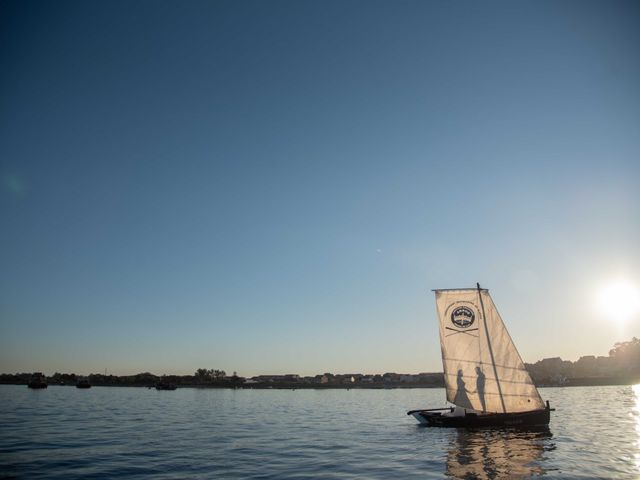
(482, 367)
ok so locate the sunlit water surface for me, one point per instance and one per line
(63, 432)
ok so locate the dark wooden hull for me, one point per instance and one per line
(532, 418)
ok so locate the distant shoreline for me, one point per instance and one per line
(575, 382)
(621, 367)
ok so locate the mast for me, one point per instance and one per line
(493, 361)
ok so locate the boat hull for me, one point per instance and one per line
(165, 387)
(37, 385)
(473, 420)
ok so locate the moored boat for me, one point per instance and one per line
(84, 383)
(165, 386)
(485, 378)
(38, 381)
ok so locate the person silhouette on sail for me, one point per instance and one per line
(480, 381)
(461, 399)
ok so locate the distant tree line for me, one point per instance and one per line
(202, 377)
(622, 366)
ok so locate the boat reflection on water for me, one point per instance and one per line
(500, 453)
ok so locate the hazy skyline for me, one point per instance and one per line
(275, 187)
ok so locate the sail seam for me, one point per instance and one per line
(507, 394)
(515, 382)
(519, 369)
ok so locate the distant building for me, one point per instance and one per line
(289, 377)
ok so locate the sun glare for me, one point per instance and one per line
(620, 301)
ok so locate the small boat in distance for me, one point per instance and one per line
(38, 380)
(83, 383)
(485, 377)
(165, 386)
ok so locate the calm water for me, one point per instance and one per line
(63, 432)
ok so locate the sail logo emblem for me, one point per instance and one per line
(463, 317)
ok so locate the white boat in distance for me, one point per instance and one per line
(485, 377)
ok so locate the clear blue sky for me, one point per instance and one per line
(274, 187)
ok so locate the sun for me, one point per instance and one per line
(619, 301)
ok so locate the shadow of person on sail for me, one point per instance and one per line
(480, 382)
(462, 399)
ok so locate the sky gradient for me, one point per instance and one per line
(275, 187)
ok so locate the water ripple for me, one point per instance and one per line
(135, 433)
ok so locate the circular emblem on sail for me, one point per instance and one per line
(463, 317)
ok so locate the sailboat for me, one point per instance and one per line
(485, 377)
